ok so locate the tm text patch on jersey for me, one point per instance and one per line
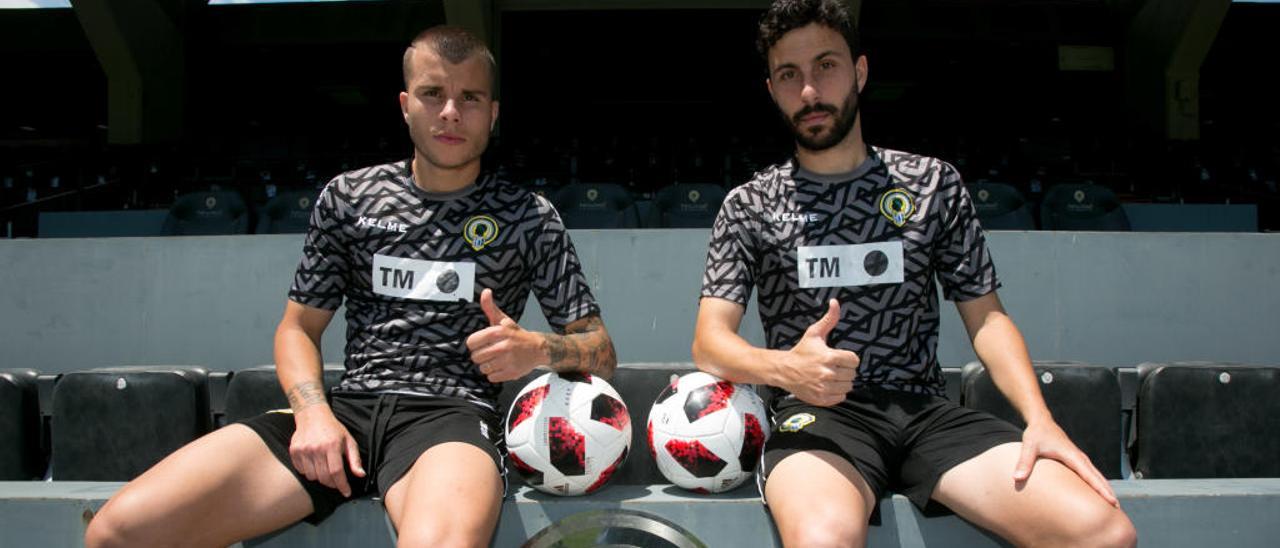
(849, 265)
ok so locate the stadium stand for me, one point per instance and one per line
(207, 213)
(1206, 420)
(106, 424)
(20, 455)
(1084, 399)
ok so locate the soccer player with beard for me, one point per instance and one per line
(844, 243)
(429, 254)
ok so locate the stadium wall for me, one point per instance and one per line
(1104, 298)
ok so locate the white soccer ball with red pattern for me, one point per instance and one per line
(706, 434)
(567, 433)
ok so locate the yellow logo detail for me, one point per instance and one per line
(897, 205)
(480, 231)
(797, 422)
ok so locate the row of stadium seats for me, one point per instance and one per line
(582, 206)
(685, 205)
(1183, 420)
(1080, 206)
(226, 212)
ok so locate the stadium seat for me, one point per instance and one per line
(1001, 207)
(1207, 420)
(256, 390)
(20, 455)
(1084, 400)
(596, 205)
(639, 385)
(687, 205)
(111, 424)
(207, 213)
(287, 213)
(1082, 207)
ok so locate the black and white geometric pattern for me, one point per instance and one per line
(418, 346)
(892, 327)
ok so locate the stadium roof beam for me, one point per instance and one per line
(1166, 46)
(141, 47)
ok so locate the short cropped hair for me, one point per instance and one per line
(784, 16)
(454, 44)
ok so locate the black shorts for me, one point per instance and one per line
(898, 441)
(392, 431)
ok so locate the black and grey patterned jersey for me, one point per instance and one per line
(410, 266)
(874, 239)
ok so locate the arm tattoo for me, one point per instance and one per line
(585, 347)
(305, 394)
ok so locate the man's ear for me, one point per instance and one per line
(860, 72)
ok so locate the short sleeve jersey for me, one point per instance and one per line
(410, 266)
(874, 239)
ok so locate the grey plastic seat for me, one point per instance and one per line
(1086, 207)
(1084, 400)
(596, 205)
(287, 213)
(1001, 207)
(686, 205)
(254, 391)
(20, 455)
(112, 424)
(207, 213)
(1207, 420)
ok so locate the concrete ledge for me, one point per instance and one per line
(1167, 513)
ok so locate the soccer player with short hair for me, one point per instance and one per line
(843, 244)
(434, 260)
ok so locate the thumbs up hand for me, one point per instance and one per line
(815, 372)
(503, 351)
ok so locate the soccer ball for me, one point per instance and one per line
(706, 434)
(567, 433)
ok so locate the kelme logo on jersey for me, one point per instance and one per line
(897, 205)
(797, 422)
(479, 231)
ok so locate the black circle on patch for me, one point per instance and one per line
(447, 281)
(876, 263)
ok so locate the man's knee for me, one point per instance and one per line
(440, 534)
(1113, 531)
(113, 526)
(821, 526)
(1105, 529)
(821, 533)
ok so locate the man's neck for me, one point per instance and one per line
(440, 180)
(844, 157)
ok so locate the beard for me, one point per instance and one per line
(814, 139)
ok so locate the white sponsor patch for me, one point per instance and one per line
(849, 265)
(423, 280)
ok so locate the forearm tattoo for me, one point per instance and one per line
(305, 394)
(585, 347)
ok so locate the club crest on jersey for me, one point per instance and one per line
(797, 422)
(479, 231)
(897, 205)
